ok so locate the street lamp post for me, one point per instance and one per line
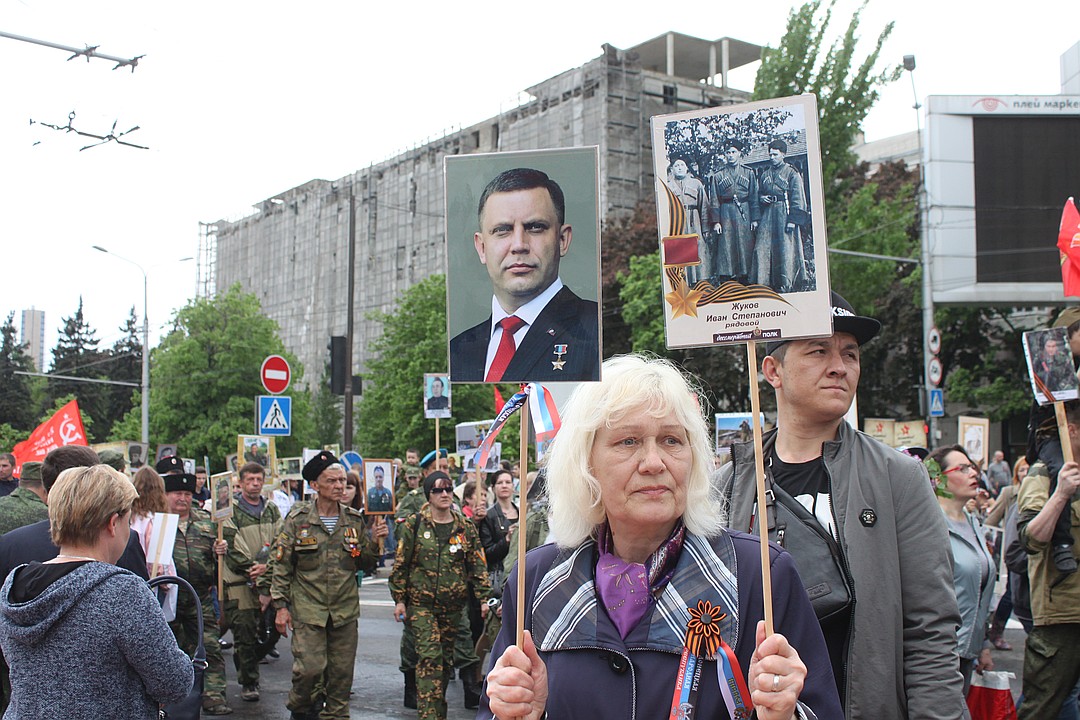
(145, 347)
(924, 237)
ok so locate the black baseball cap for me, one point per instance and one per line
(844, 319)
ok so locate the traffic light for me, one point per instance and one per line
(338, 370)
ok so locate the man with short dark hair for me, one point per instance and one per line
(379, 498)
(894, 648)
(202, 491)
(250, 533)
(8, 482)
(733, 214)
(538, 328)
(778, 250)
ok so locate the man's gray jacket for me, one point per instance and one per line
(902, 644)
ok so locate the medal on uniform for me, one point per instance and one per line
(455, 543)
(352, 540)
(304, 532)
(558, 362)
(427, 535)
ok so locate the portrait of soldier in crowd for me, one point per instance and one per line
(1050, 365)
(737, 187)
(436, 396)
(378, 487)
(522, 296)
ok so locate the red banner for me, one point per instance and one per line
(63, 428)
(1069, 245)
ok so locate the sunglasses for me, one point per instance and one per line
(441, 490)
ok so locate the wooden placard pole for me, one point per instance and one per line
(759, 473)
(1063, 431)
(437, 444)
(220, 565)
(523, 471)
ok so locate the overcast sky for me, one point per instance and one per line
(239, 101)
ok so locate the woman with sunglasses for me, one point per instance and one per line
(956, 480)
(439, 563)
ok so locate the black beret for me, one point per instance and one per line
(177, 482)
(430, 480)
(314, 467)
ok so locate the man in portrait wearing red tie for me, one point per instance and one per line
(538, 330)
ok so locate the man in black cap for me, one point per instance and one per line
(894, 652)
(321, 546)
(195, 556)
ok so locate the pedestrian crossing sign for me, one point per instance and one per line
(937, 402)
(274, 415)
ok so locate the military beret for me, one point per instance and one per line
(31, 471)
(178, 482)
(430, 480)
(430, 457)
(314, 467)
(113, 459)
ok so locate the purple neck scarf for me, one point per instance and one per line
(625, 588)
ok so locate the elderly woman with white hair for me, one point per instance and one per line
(646, 607)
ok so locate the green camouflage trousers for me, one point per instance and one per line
(464, 648)
(185, 627)
(435, 631)
(327, 654)
(245, 630)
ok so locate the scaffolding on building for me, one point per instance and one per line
(206, 260)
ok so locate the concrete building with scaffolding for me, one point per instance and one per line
(292, 250)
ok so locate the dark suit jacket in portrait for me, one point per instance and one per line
(567, 320)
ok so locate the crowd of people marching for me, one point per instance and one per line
(643, 591)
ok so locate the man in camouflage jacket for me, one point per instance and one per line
(250, 532)
(26, 503)
(439, 563)
(195, 557)
(321, 546)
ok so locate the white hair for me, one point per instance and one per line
(631, 383)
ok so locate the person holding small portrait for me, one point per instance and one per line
(778, 254)
(733, 214)
(379, 498)
(538, 329)
(437, 401)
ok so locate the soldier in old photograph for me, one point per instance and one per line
(778, 255)
(733, 214)
(691, 193)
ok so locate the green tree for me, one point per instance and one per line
(205, 376)
(76, 355)
(413, 342)
(326, 411)
(123, 364)
(16, 405)
(845, 91)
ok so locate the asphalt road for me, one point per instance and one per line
(377, 683)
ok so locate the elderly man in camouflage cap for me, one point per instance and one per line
(321, 546)
(26, 504)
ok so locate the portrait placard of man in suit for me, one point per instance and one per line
(536, 243)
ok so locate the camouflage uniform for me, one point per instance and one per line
(193, 556)
(314, 576)
(464, 650)
(21, 507)
(250, 539)
(434, 579)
